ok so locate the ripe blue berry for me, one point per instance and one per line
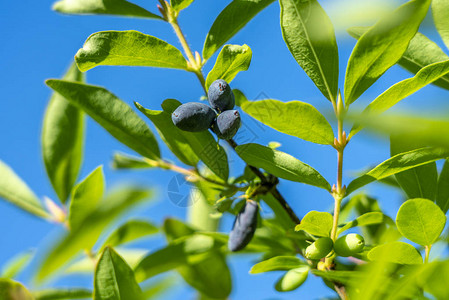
(227, 124)
(193, 117)
(220, 96)
(244, 226)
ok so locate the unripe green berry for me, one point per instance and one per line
(293, 279)
(319, 249)
(349, 245)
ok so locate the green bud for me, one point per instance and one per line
(319, 249)
(293, 279)
(349, 245)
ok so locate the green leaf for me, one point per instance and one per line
(396, 252)
(421, 52)
(345, 277)
(371, 218)
(112, 113)
(60, 294)
(114, 279)
(179, 5)
(130, 231)
(281, 164)
(171, 135)
(398, 163)
(443, 188)
(62, 139)
(106, 7)
(11, 290)
(421, 221)
(233, 18)
(381, 47)
(17, 192)
(310, 37)
(15, 266)
(316, 223)
(419, 182)
(86, 236)
(440, 15)
(240, 98)
(85, 197)
(203, 145)
(295, 118)
(125, 161)
(231, 60)
(403, 89)
(128, 48)
(157, 289)
(277, 263)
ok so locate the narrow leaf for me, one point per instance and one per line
(106, 7)
(86, 236)
(17, 192)
(295, 118)
(440, 13)
(15, 266)
(316, 223)
(398, 163)
(112, 113)
(381, 47)
(310, 37)
(405, 88)
(370, 218)
(130, 231)
(62, 140)
(231, 60)
(281, 164)
(114, 279)
(396, 252)
(86, 196)
(128, 48)
(125, 161)
(421, 221)
(233, 18)
(171, 135)
(277, 263)
(179, 5)
(421, 52)
(419, 182)
(443, 188)
(61, 294)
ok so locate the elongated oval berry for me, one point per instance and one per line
(293, 279)
(349, 245)
(244, 226)
(193, 117)
(220, 96)
(319, 249)
(227, 124)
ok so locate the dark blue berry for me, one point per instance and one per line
(227, 124)
(193, 117)
(220, 96)
(245, 225)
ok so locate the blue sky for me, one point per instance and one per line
(38, 44)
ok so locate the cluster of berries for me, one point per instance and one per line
(220, 116)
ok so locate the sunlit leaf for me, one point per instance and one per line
(396, 252)
(231, 60)
(367, 219)
(114, 279)
(398, 163)
(128, 48)
(112, 113)
(316, 223)
(107, 7)
(443, 188)
(17, 192)
(16, 265)
(381, 47)
(440, 14)
(130, 231)
(179, 5)
(233, 18)
(281, 164)
(277, 263)
(310, 37)
(421, 221)
(85, 197)
(125, 161)
(62, 139)
(60, 294)
(295, 118)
